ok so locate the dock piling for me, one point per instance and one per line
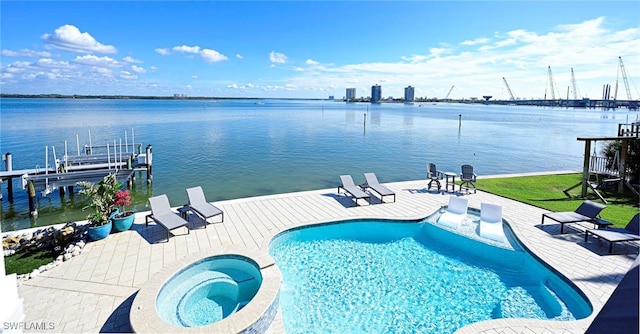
(8, 164)
(149, 163)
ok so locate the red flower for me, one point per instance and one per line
(123, 198)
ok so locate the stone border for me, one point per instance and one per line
(255, 317)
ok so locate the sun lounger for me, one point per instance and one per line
(612, 235)
(373, 184)
(586, 212)
(350, 187)
(199, 205)
(455, 213)
(490, 226)
(162, 215)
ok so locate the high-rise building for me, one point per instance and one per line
(409, 94)
(376, 93)
(351, 94)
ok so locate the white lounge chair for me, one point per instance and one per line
(373, 184)
(455, 213)
(350, 187)
(490, 226)
(161, 214)
(199, 205)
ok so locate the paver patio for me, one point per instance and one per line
(93, 292)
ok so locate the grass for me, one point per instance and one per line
(25, 262)
(546, 191)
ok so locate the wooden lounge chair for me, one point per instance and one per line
(455, 213)
(433, 175)
(468, 178)
(586, 212)
(490, 225)
(350, 187)
(630, 232)
(373, 184)
(199, 205)
(162, 215)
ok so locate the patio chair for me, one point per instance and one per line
(350, 187)
(199, 205)
(373, 184)
(468, 178)
(612, 235)
(490, 225)
(586, 212)
(433, 175)
(455, 212)
(162, 215)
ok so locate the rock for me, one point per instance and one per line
(67, 256)
(64, 235)
(34, 273)
(59, 258)
(11, 242)
(76, 252)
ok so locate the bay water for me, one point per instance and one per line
(245, 147)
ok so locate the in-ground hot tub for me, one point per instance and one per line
(231, 291)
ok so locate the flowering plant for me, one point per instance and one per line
(102, 197)
(123, 198)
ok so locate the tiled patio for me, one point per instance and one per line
(93, 292)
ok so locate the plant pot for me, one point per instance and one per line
(123, 223)
(99, 232)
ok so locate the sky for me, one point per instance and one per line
(317, 49)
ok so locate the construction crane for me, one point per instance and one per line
(449, 93)
(509, 89)
(573, 83)
(553, 90)
(624, 78)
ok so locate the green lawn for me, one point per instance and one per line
(25, 262)
(545, 191)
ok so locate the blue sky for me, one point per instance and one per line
(310, 49)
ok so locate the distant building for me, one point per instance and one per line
(331, 97)
(409, 94)
(351, 94)
(376, 93)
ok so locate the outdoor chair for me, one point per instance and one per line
(468, 178)
(612, 235)
(490, 225)
(433, 175)
(586, 212)
(162, 215)
(350, 187)
(199, 205)
(373, 184)
(455, 212)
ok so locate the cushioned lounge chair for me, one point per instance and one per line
(468, 178)
(433, 175)
(630, 232)
(350, 187)
(162, 215)
(199, 205)
(586, 212)
(373, 184)
(490, 226)
(455, 213)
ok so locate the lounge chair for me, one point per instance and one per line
(468, 178)
(612, 235)
(586, 212)
(490, 225)
(162, 215)
(350, 187)
(373, 184)
(199, 205)
(433, 175)
(455, 213)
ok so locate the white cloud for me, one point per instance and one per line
(25, 53)
(212, 56)
(187, 49)
(163, 51)
(311, 62)
(239, 56)
(69, 38)
(131, 60)
(276, 57)
(50, 63)
(480, 40)
(233, 86)
(138, 69)
(127, 75)
(97, 61)
(153, 68)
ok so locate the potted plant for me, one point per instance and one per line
(102, 197)
(122, 220)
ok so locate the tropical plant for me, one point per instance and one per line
(103, 198)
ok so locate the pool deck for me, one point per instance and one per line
(93, 292)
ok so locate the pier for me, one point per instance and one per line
(93, 164)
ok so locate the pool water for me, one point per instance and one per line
(381, 276)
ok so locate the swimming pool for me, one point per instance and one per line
(381, 276)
